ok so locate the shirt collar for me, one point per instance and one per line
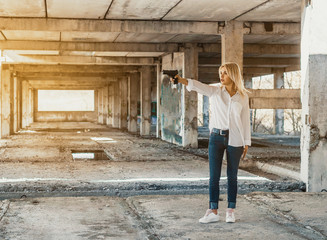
(224, 89)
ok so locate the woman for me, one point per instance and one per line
(229, 130)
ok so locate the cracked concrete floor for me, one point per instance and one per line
(258, 216)
(41, 156)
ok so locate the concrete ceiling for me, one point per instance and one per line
(172, 10)
(153, 12)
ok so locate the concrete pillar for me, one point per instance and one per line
(189, 101)
(96, 105)
(116, 105)
(205, 111)
(123, 102)
(110, 104)
(158, 127)
(100, 106)
(313, 95)
(6, 103)
(232, 43)
(133, 82)
(25, 102)
(19, 104)
(30, 106)
(16, 113)
(249, 84)
(145, 92)
(279, 113)
(105, 105)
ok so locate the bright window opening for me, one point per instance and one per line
(65, 100)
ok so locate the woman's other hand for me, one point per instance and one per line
(245, 151)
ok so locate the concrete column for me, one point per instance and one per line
(232, 43)
(16, 113)
(133, 82)
(279, 113)
(19, 104)
(110, 104)
(313, 95)
(96, 105)
(30, 106)
(116, 106)
(123, 102)
(158, 127)
(145, 92)
(205, 111)
(249, 84)
(100, 106)
(25, 103)
(189, 101)
(6, 103)
(105, 105)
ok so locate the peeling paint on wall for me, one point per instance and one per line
(171, 113)
(314, 137)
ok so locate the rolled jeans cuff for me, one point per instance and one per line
(213, 205)
(231, 204)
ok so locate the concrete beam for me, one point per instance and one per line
(66, 87)
(257, 49)
(82, 59)
(254, 62)
(131, 26)
(76, 79)
(275, 99)
(86, 46)
(61, 68)
(70, 75)
(66, 48)
(76, 83)
(271, 28)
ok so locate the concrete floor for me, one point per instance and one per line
(258, 216)
(149, 189)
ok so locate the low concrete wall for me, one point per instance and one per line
(65, 116)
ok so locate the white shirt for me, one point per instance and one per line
(227, 112)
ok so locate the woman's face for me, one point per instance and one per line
(224, 79)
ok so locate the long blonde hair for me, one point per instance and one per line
(234, 73)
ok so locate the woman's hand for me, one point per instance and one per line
(245, 151)
(180, 80)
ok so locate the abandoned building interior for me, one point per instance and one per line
(108, 56)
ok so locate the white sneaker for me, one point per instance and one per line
(230, 217)
(209, 217)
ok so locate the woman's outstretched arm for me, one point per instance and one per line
(197, 86)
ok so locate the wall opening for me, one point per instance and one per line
(65, 100)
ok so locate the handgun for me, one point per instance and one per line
(172, 74)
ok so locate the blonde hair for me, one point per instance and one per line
(234, 73)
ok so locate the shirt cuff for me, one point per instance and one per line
(189, 86)
(247, 142)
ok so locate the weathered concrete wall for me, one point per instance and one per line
(171, 96)
(65, 116)
(313, 96)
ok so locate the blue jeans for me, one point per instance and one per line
(217, 146)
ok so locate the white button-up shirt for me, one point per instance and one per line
(227, 112)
